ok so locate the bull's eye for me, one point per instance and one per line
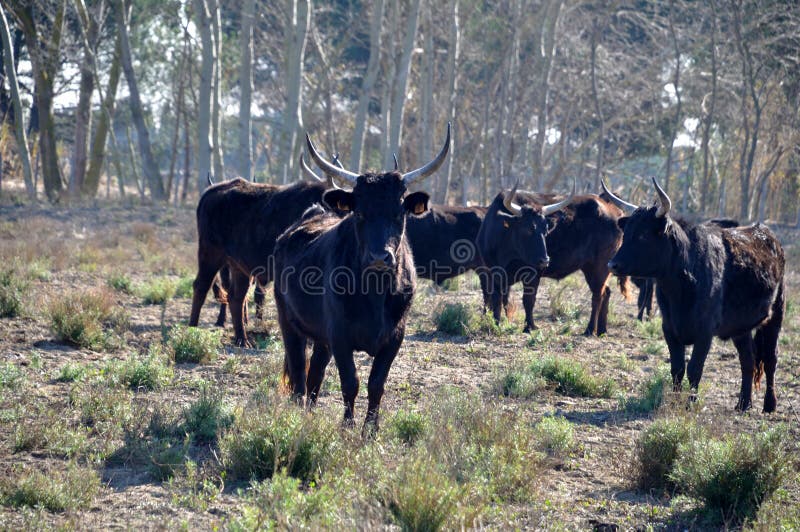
(342, 206)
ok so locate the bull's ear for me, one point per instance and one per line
(416, 203)
(339, 200)
(622, 221)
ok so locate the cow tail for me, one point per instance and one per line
(220, 294)
(625, 287)
(286, 382)
(773, 322)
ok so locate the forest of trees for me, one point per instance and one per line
(147, 97)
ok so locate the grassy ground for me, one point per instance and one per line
(113, 415)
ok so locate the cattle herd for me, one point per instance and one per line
(344, 263)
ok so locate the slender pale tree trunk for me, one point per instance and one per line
(426, 121)
(293, 116)
(708, 107)
(400, 85)
(389, 81)
(454, 47)
(676, 79)
(244, 154)
(19, 122)
(204, 101)
(216, 109)
(373, 66)
(149, 166)
(598, 109)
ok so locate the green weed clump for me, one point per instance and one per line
(55, 490)
(454, 318)
(657, 451)
(420, 497)
(207, 416)
(408, 426)
(184, 288)
(83, 319)
(148, 373)
(11, 376)
(652, 392)
(13, 290)
(121, 283)
(555, 436)
(733, 476)
(272, 436)
(569, 377)
(192, 344)
(157, 291)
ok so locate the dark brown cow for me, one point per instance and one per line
(711, 280)
(346, 283)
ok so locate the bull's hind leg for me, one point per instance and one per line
(320, 358)
(209, 264)
(294, 361)
(240, 284)
(766, 343)
(221, 296)
(746, 348)
(259, 294)
(597, 279)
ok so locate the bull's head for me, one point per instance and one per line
(523, 229)
(378, 204)
(645, 241)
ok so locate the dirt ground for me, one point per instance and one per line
(78, 249)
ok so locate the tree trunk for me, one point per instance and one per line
(19, 124)
(426, 96)
(400, 84)
(598, 109)
(216, 110)
(149, 166)
(708, 107)
(292, 116)
(244, 156)
(373, 66)
(454, 48)
(676, 124)
(204, 102)
(388, 82)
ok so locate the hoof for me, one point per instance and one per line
(770, 403)
(242, 342)
(370, 430)
(531, 327)
(743, 406)
(348, 423)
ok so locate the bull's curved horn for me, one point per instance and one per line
(310, 173)
(666, 203)
(626, 207)
(424, 171)
(396, 164)
(336, 160)
(555, 207)
(508, 201)
(332, 171)
(210, 181)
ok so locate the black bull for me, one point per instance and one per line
(711, 280)
(237, 225)
(583, 236)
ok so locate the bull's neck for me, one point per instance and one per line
(679, 266)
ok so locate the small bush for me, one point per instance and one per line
(735, 475)
(11, 376)
(267, 438)
(71, 372)
(101, 406)
(570, 378)
(520, 383)
(12, 294)
(651, 328)
(207, 416)
(184, 287)
(555, 436)
(121, 283)
(145, 373)
(408, 426)
(421, 497)
(191, 344)
(657, 450)
(454, 318)
(54, 490)
(157, 291)
(652, 393)
(562, 304)
(81, 319)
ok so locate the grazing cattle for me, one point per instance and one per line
(346, 282)
(221, 287)
(517, 243)
(711, 280)
(644, 302)
(237, 225)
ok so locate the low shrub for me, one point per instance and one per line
(555, 436)
(408, 426)
(420, 497)
(148, 373)
(207, 416)
(56, 490)
(13, 290)
(83, 319)
(192, 344)
(454, 318)
(569, 377)
(657, 450)
(652, 392)
(157, 291)
(121, 283)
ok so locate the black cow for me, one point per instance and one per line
(578, 233)
(711, 281)
(237, 225)
(222, 285)
(346, 283)
(644, 302)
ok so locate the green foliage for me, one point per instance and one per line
(408, 426)
(650, 328)
(55, 490)
(184, 287)
(562, 304)
(121, 283)
(157, 291)
(520, 383)
(145, 373)
(12, 294)
(422, 498)
(555, 436)
(657, 450)
(207, 416)
(71, 372)
(82, 319)
(454, 318)
(270, 436)
(11, 376)
(569, 377)
(652, 392)
(735, 475)
(192, 344)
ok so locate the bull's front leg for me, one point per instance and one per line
(529, 290)
(320, 358)
(677, 357)
(697, 361)
(377, 381)
(746, 348)
(348, 376)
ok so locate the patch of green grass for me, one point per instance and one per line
(652, 392)
(12, 294)
(39, 269)
(184, 288)
(654, 349)
(83, 319)
(733, 476)
(657, 450)
(101, 407)
(271, 435)
(555, 436)
(651, 328)
(72, 372)
(121, 283)
(485, 324)
(454, 318)
(408, 426)
(420, 497)
(192, 488)
(56, 490)
(192, 344)
(569, 377)
(149, 372)
(520, 383)
(11, 376)
(157, 291)
(562, 304)
(168, 458)
(206, 417)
